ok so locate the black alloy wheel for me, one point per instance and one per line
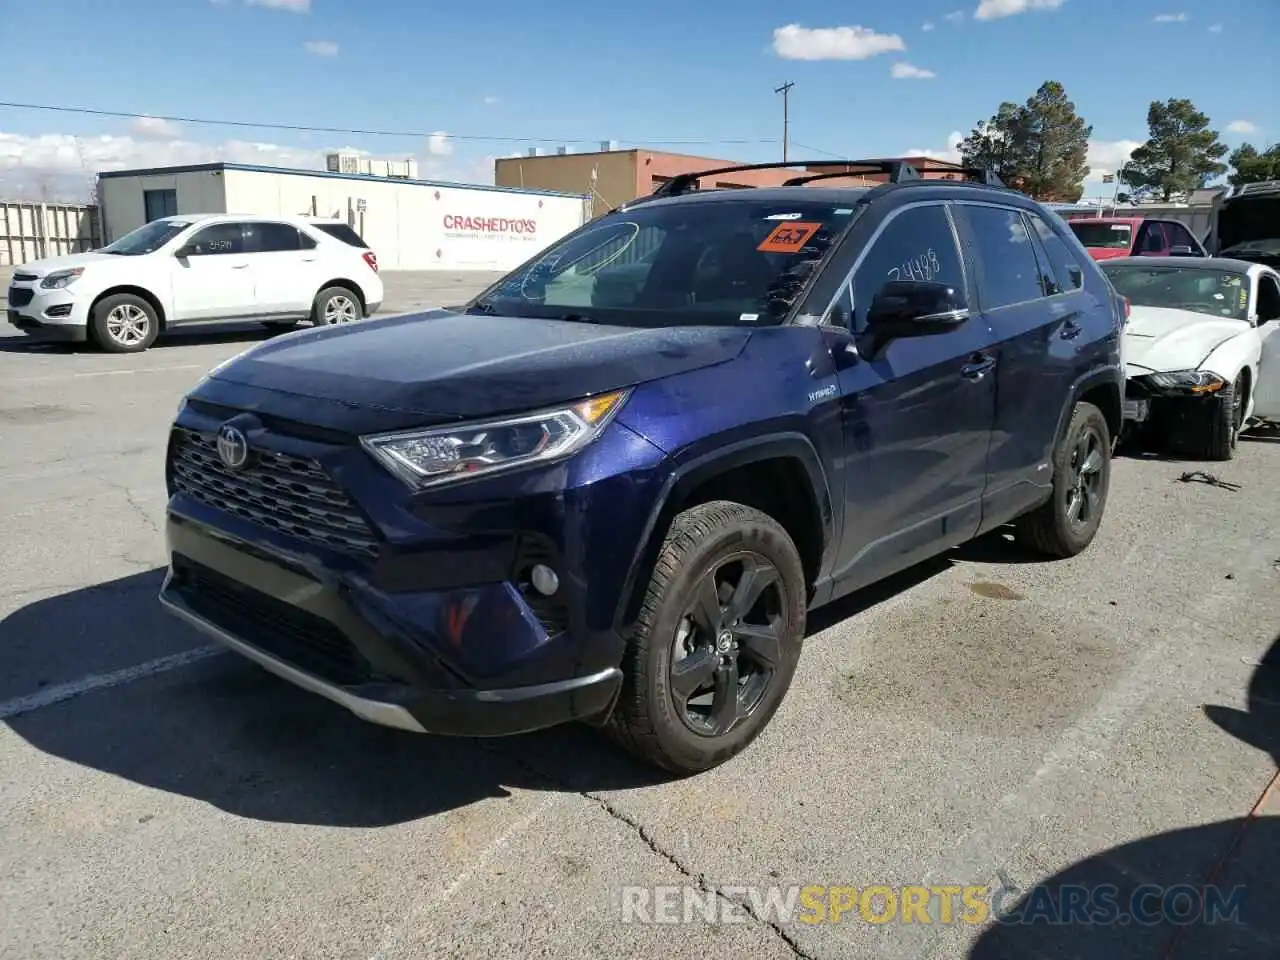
(727, 645)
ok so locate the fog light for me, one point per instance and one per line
(544, 579)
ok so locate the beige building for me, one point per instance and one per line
(612, 177)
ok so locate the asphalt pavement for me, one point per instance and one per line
(988, 718)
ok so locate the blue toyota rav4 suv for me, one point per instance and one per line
(610, 487)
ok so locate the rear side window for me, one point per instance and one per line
(1067, 274)
(272, 238)
(1008, 270)
(340, 231)
(918, 244)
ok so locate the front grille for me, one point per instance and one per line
(288, 494)
(302, 639)
(25, 276)
(20, 296)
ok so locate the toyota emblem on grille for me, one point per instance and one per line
(233, 448)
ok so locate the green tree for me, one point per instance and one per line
(1251, 166)
(1182, 154)
(1038, 147)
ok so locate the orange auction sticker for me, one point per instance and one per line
(788, 237)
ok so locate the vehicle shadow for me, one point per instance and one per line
(211, 333)
(223, 731)
(1209, 864)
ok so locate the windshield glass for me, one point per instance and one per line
(739, 262)
(1220, 293)
(1112, 236)
(147, 239)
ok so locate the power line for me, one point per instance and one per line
(298, 128)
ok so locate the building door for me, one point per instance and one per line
(160, 203)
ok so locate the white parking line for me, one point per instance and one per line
(395, 934)
(65, 691)
(111, 373)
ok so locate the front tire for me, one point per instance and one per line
(1221, 434)
(124, 323)
(335, 305)
(717, 640)
(1068, 521)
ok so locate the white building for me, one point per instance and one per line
(409, 224)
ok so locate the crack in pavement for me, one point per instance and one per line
(698, 878)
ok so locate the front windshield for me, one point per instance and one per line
(1219, 293)
(1106, 236)
(146, 239)
(739, 261)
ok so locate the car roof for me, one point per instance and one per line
(1204, 263)
(249, 217)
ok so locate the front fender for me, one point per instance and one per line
(1226, 360)
(709, 459)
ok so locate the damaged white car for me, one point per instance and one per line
(1201, 348)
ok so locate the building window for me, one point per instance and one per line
(159, 203)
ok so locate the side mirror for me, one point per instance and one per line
(914, 308)
(1182, 250)
(185, 251)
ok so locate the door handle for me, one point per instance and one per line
(239, 266)
(978, 366)
(308, 259)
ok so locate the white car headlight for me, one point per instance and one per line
(1197, 381)
(60, 279)
(439, 455)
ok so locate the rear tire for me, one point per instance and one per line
(124, 323)
(1068, 521)
(693, 642)
(1221, 433)
(335, 305)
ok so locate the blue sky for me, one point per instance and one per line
(655, 74)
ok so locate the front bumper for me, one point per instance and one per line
(47, 314)
(323, 638)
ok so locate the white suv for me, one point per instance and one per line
(194, 268)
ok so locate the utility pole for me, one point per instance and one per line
(785, 90)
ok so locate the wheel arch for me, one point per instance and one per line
(347, 285)
(141, 293)
(763, 472)
(1104, 388)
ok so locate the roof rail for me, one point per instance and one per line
(981, 175)
(896, 170)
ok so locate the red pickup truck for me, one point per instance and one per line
(1108, 237)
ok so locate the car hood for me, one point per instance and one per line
(442, 366)
(1158, 339)
(42, 268)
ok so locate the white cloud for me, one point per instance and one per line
(1170, 18)
(906, 71)
(439, 144)
(1215, 28)
(997, 9)
(1242, 126)
(926, 26)
(955, 16)
(62, 166)
(950, 153)
(490, 101)
(293, 6)
(794, 42)
(321, 48)
(154, 128)
(1108, 156)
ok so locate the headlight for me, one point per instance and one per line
(1194, 381)
(428, 458)
(61, 278)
